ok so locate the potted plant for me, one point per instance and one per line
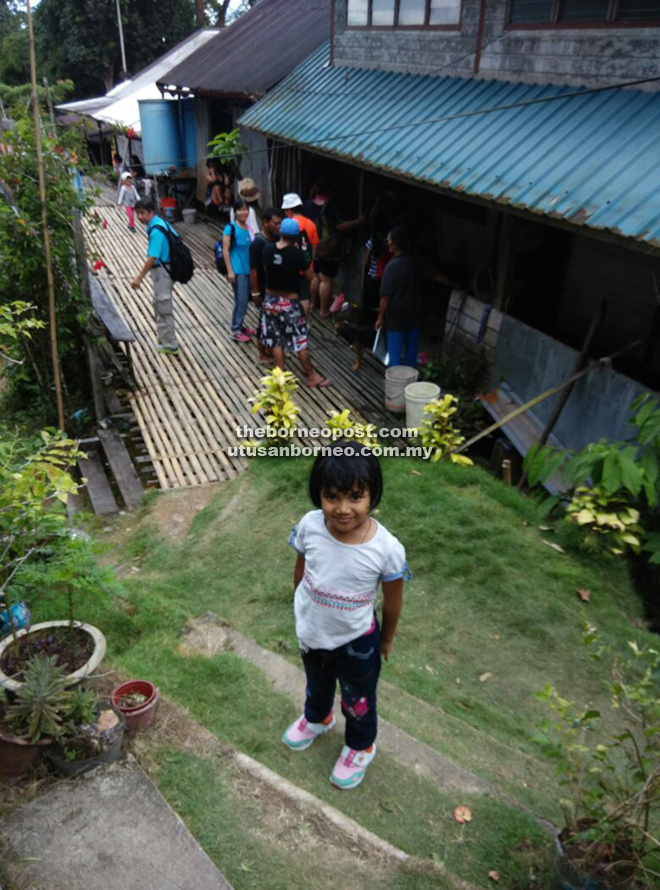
(79, 647)
(34, 717)
(91, 734)
(39, 551)
(609, 766)
(137, 700)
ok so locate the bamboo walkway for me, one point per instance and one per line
(189, 407)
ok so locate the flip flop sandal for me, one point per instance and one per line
(325, 382)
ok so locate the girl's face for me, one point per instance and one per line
(242, 214)
(346, 512)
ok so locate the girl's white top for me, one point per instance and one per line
(335, 601)
(128, 196)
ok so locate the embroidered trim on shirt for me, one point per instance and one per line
(336, 600)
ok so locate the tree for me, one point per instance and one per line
(220, 13)
(14, 59)
(79, 39)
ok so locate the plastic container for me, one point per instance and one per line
(396, 380)
(20, 617)
(189, 215)
(161, 134)
(141, 716)
(418, 395)
(169, 207)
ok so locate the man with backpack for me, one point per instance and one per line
(168, 260)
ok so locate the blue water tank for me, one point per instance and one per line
(188, 134)
(161, 135)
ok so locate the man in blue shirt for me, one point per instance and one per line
(158, 253)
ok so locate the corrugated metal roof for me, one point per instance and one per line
(591, 160)
(256, 51)
(120, 105)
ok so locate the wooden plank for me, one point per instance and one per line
(122, 467)
(98, 488)
(107, 312)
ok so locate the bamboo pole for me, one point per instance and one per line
(44, 222)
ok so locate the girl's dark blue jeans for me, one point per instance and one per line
(357, 666)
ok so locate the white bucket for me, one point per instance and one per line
(418, 395)
(396, 380)
(189, 215)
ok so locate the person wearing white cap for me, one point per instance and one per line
(128, 197)
(282, 325)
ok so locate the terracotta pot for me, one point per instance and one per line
(141, 716)
(72, 679)
(18, 755)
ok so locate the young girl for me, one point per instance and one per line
(236, 241)
(343, 555)
(129, 197)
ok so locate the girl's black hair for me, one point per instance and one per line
(344, 472)
(240, 204)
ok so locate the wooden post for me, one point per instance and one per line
(44, 222)
(506, 471)
(505, 256)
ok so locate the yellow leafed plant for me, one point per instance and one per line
(438, 432)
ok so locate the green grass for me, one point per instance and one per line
(488, 596)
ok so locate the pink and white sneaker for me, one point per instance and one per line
(351, 766)
(301, 733)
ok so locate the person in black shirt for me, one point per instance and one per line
(270, 232)
(282, 326)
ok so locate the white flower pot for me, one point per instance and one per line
(72, 679)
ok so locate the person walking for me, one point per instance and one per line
(158, 255)
(282, 326)
(128, 198)
(236, 241)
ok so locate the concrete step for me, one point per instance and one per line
(108, 829)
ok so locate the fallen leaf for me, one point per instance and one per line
(387, 804)
(585, 595)
(429, 669)
(495, 637)
(458, 680)
(554, 546)
(438, 861)
(545, 528)
(415, 473)
(463, 814)
(494, 875)
(484, 677)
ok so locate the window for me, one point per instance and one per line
(407, 13)
(550, 13)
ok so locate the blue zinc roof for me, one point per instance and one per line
(592, 160)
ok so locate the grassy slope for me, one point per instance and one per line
(488, 596)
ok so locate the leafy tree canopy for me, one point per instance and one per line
(79, 39)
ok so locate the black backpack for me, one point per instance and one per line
(181, 265)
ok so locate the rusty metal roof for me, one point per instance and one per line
(256, 51)
(591, 159)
